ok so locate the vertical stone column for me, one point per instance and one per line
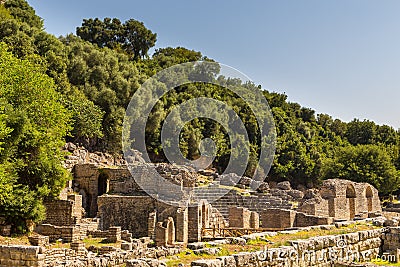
(254, 220)
(239, 217)
(152, 225)
(181, 227)
(114, 234)
(194, 223)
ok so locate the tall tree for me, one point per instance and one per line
(37, 123)
(139, 39)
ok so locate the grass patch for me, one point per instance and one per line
(381, 262)
(99, 242)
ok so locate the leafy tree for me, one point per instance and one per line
(132, 36)
(138, 39)
(167, 57)
(36, 126)
(361, 132)
(106, 33)
(24, 12)
(364, 163)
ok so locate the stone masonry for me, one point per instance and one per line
(342, 199)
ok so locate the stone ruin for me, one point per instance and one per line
(113, 196)
(342, 199)
(104, 200)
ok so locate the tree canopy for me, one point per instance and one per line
(77, 88)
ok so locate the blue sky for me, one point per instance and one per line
(338, 57)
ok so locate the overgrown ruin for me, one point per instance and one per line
(105, 201)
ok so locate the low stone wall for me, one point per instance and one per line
(391, 239)
(318, 251)
(112, 235)
(78, 256)
(66, 233)
(129, 212)
(280, 219)
(11, 256)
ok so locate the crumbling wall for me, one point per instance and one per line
(320, 251)
(280, 219)
(11, 256)
(239, 217)
(165, 233)
(129, 212)
(222, 199)
(64, 212)
(65, 233)
(342, 199)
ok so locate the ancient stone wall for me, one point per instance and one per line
(11, 256)
(279, 219)
(254, 220)
(323, 251)
(86, 183)
(239, 217)
(65, 233)
(165, 233)
(217, 220)
(343, 199)
(129, 212)
(64, 212)
(231, 198)
(391, 239)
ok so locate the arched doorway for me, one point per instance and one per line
(351, 197)
(102, 184)
(369, 195)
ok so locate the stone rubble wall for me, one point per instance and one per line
(80, 155)
(391, 239)
(64, 212)
(129, 212)
(321, 251)
(280, 219)
(12, 256)
(65, 233)
(231, 198)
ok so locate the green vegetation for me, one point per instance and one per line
(77, 87)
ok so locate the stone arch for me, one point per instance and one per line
(369, 195)
(350, 197)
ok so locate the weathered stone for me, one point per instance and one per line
(285, 185)
(206, 263)
(263, 187)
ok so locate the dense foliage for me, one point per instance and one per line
(77, 87)
(33, 125)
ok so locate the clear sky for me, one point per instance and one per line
(340, 57)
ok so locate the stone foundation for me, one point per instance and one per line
(280, 219)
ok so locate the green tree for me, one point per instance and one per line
(364, 163)
(24, 12)
(138, 39)
(37, 124)
(361, 132)
(132, 36)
